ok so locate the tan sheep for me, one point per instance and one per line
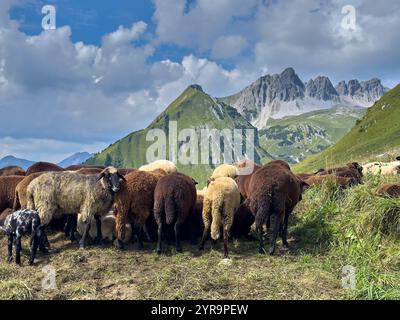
(166, 165)
(224, 170)
(108, 229)
(221, 201)
(382, 168)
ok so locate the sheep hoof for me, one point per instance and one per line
(271, 251)
(201, 248)
(158, 251)
(30, 262)
(262, 251)
(10, 259)
(119, 244)
(179, 250)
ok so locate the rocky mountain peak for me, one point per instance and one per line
(321, 88)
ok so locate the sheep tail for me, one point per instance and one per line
(169, 210)
(158, 209)
(30, 203)
(17, 203)
(217, 209)
(264, 207)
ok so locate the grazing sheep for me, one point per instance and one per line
(224, 170)
(76, 167)
(174, 200)
(389, 190)
(7, 190)
(167, 166)
(243, 182)
(352, 170)
(274, 191)
(134, 203)
(12, 171)
(108, 228)
(221, 201)
(43, 167)
(16, 225)
(20, 200)
(382, 168)
(70, 193)
(317, 180)
(242, 223)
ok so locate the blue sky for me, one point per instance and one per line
(111, 66)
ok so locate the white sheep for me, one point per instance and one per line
(224, 170)
(166, 165)
(383, 168)
(108, 230)
(56, 193)
(221, 201)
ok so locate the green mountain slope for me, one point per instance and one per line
(192, 109)
(378, 132)
(294, 138)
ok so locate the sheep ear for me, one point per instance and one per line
(121, 176)
(304, 186)
(100, 176)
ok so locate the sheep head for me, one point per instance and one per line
(111, 179)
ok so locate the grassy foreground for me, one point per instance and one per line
(330, 229)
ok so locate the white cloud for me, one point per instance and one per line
(228, 46)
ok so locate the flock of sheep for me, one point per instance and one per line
(157, 202)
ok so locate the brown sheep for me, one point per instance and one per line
(317, 180)
(7, 191)
(43, 167)
(76, 167)
(88, 170)
(174, 200)
(134, 203)
(4, 215)
(242, 223)
(389, 190)
(20, 200)
(243, 182)
(12, 171)
(274, 191)
(125, 171)
(352, 170)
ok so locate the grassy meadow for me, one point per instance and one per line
(330, 229)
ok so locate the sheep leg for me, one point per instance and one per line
(277, 223)
(159, 234)
(138, 231)
(10, 247)
(72, 222)
(205, 234)
(285, 231)
(18, 249)
(178, 237)
(82, 242)
(99, 236)
(226, 236)
(42, 241)
(260, 231)
(33, 249)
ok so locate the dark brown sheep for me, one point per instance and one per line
(352, 170)
(242, 223)
(20, 200)
(174, 200)
(134, 203)
(243, 181)
(317, 180)
(12, 171)
(125, 171)
(43, 167)
(273, 193)
(7, 191)
(76, 167)
(389, 190)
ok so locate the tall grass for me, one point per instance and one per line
(355, 227)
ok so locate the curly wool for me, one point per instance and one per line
(166, 165)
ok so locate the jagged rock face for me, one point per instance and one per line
(280, 95)
(321, 88)
(363, 93)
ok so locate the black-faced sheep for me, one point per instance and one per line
(174, 201)
(273, 193)
(389, 190)
(16, 225)
(7, 190)
(92, 196)
(134, 203)
(12, 171)
(383, 168)
(43, 167)
(166, 165)
(221, 201)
